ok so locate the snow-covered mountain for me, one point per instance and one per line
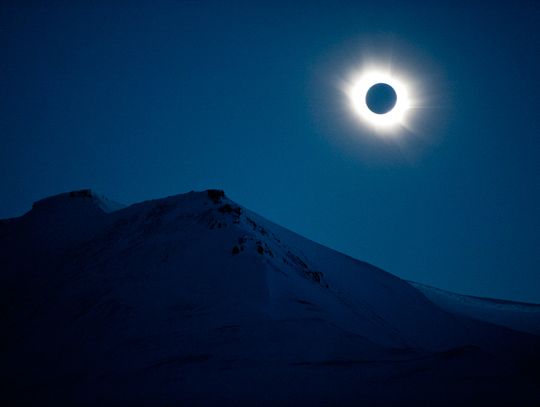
(195, 300)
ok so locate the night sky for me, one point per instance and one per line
(145, 100)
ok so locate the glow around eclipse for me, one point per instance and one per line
(391, 121)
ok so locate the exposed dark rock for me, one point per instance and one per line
(314, 275)
(215, 195)
(227, 208)
(82, 193)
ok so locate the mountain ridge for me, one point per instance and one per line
(192, 292)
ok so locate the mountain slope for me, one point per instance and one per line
(515, 315)
(195, 299)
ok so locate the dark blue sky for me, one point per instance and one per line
(143, 101)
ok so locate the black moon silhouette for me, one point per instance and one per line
(381, 98)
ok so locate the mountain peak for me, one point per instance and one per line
(77, 198)
(215, 195)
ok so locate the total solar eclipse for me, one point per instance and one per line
(381, 99)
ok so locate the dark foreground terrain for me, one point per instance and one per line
(195, 300)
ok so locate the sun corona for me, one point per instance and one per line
(357, 91)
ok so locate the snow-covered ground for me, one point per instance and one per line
(515, 315)
(194, 299)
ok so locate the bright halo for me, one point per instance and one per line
(357, 91)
